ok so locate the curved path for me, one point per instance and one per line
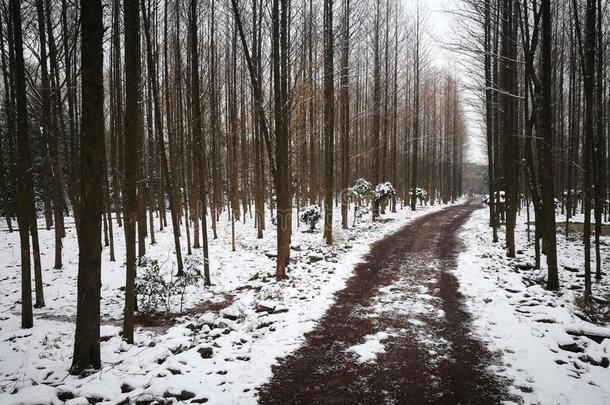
(403, 300)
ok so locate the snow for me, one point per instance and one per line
(517, 317)
(372, 346)
(221, 355)
(551, 348)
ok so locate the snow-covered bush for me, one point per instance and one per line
(502, 198)
(360, 190)
(421, 194)
(310, 216)
(384, 191)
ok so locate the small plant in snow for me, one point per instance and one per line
(190, 277)
(151, 288)
(270, 292)
(310, 216)
(360, 191)
(155, 292)
(360, 212)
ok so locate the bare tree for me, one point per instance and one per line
(87, 336)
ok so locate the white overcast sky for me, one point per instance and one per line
(441, 27)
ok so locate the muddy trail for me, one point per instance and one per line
(405, 289)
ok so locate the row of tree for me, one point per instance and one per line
(117, 114)
(545, 103)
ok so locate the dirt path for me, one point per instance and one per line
(402, 288)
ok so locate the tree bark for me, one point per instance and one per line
(131, 135)
(87, 336)
(23, 177)
(197, 129)
(329, 121)
(546, 146)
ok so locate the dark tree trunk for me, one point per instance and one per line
(23, 175)
(546, 146)
(130, 147)
(50, 136)
(415, 138)
(598, 143)
(197, 130)
(345, 113)
(489, 116)
(508, 119)
(589, 80)
(375, 119)
(87, 337)
(329, 122)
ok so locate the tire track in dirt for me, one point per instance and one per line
(404, 288)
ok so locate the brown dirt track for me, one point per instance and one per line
(428, 359)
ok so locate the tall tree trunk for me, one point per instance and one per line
(23, 175)
(416, 112)
(197, 130)
(489, 117)
(87, 336)
(279, 23)
(117, 107)
(46, 129)
(589, 80)
(508, 119)
(375, 119)
(50, 137)
(167, 175)
(598, 143)
(329, 122)
(345, 113)
(214, 127)
(7, 186)
(132, 128)
(546, 146)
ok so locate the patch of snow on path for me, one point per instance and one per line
(372, 346)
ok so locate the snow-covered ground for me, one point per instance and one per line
(539, 333)
(216, 356)
(578, 218)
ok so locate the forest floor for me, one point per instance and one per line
(398, 333)
(419, 307)
(219, 349)
(555, 349)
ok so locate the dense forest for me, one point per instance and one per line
(184, 146)
(544, 106)
(214, 111)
